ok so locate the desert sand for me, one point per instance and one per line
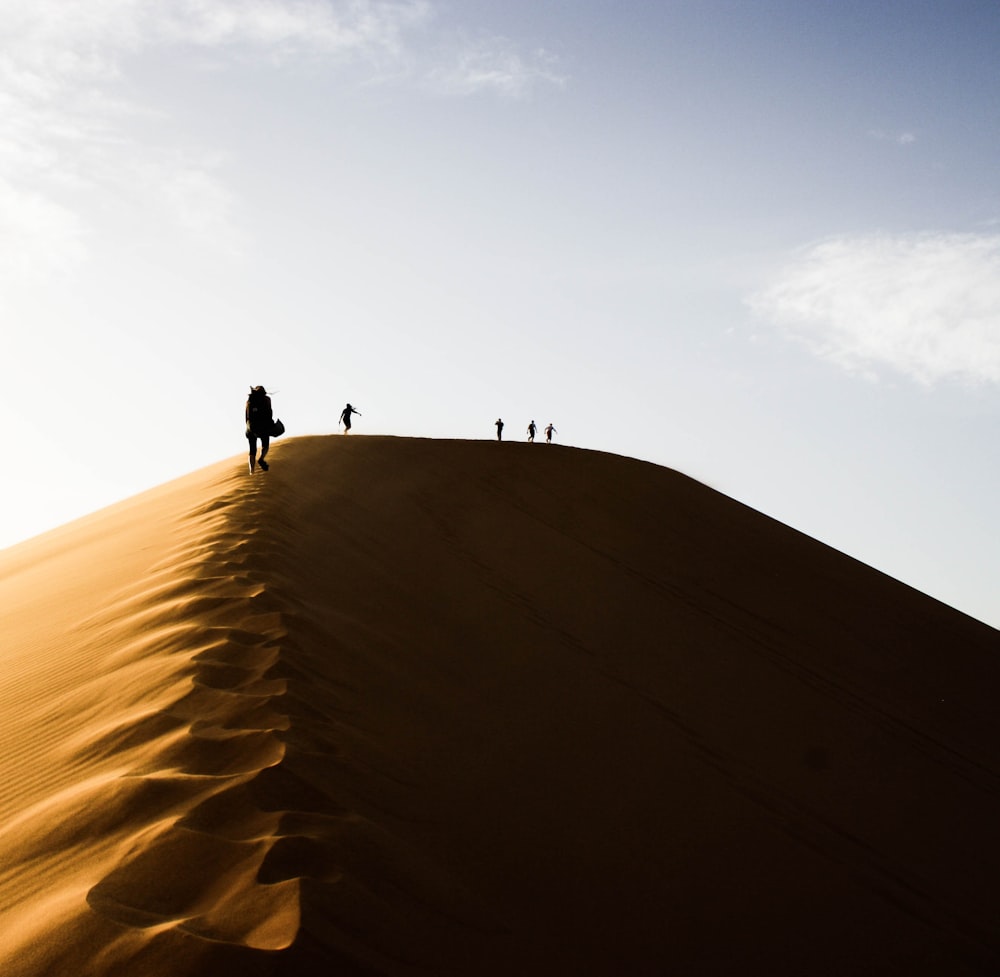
(405, 706)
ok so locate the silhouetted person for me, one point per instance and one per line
(499, 427)
(345, 417)
(531, 431)
(258, 418)
(549, 431)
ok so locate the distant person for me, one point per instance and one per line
(259, 422)
(549, 431)
(531, 432)
(345, 417)
(499, 427)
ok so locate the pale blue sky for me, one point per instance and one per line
(758, 242)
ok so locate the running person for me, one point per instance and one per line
(345, 417)
(549, 431)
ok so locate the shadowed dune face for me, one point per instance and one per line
(403, 706)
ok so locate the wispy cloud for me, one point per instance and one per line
(926, 306)
(285, 28)
(899, 137)
(67, 108)
(494, 65)
(49, 38)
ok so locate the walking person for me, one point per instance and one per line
(499, 426)
(549, 431)
(531, 432)
(258, 425)
(345, 417)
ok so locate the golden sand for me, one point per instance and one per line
(404, 706)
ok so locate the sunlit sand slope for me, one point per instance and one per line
(467, 708)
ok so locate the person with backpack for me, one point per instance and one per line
(259, 423)
(531, 432)
(345, 417)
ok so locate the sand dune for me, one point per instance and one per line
(466, 708)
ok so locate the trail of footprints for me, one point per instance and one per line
(238, 839)
(215, 855)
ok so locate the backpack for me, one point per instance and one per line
(259, 411)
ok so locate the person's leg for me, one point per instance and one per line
(252, 439)
(265, 443)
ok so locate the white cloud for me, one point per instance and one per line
(926, 306)
(900, 138)
(287, 27)
(48, 39)
(494, 65)
(66, 107)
